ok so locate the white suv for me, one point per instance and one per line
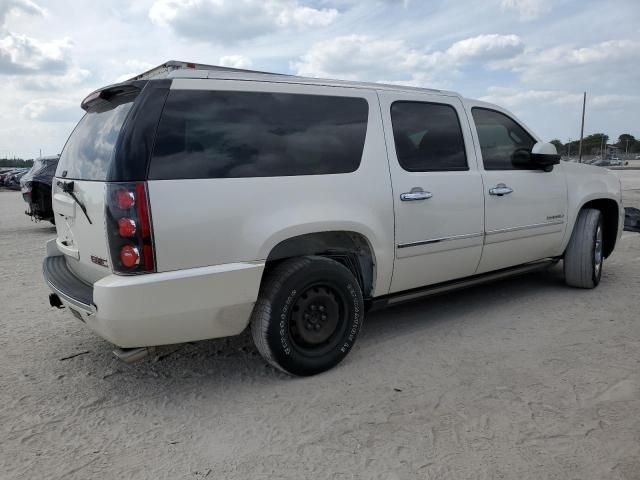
(194, 201)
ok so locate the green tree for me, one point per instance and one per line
(592, 144)
(559, 146)
(627, 143)
(15, 162)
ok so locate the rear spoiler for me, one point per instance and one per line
(101, 97)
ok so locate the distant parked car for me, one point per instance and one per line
(36, 188)
(12, 179)
(6, 174)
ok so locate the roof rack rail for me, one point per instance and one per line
(164, 69)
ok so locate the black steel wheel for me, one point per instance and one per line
(308, 315)
(315, 318)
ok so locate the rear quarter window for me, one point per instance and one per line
(223, 134)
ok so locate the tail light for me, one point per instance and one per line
(129, 228)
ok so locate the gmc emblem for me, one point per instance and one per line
(99, 261)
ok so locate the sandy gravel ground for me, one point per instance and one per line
(523, 379)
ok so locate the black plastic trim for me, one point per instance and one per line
(458, 284)
(64, 282)
(135, 143)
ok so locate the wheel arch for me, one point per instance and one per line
(352, 249)
(610, 211)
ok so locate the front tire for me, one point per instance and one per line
(584, 258)
(308, 315)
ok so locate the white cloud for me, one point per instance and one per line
(610, 52)
(52, 110)
(131, 68)
(364, 57)
(514, 98)
(73, 77)
(235, 61)
(485, 48)
(20, 54)
(527, 9)
(606, 64)
(357, 56)
(21, 6)
(228, 21)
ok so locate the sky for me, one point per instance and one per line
(533, 57)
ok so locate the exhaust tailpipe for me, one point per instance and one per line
(131, 355)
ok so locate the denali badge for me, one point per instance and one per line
(99, 261)
(555, 217)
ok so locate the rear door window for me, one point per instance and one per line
(91, 147)
(225, 134)
(428, 137)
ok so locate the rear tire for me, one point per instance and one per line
(308, 315)
(584, 259)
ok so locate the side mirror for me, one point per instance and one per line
(545, 156)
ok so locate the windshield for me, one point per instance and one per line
(91, 147)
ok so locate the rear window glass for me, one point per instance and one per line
(222, 134)
(91, 147)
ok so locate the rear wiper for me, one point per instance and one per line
(67, 187)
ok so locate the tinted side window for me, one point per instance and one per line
(505, 145)
(428, 137)
(222, 134)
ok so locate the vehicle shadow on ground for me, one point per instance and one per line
(448, 308)
(234, 361)
(39, 228)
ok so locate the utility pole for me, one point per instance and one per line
(584, 104)
(569, 149)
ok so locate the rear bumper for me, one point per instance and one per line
(69, 288)
(161, 308)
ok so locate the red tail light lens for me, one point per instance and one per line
(129, 228)
(129, 256)
(126, 227)
(124, 199)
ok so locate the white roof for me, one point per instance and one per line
(178, 69)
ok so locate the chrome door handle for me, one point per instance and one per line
(415, 195)
(500, 190)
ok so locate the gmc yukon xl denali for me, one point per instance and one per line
(195, 201)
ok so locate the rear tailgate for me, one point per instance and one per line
(85, 244)
(80, 184)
